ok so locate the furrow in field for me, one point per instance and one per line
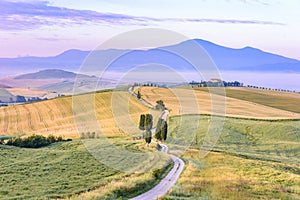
(13, 126)
(40, 113)
(183, 101)
(6, 122)
(49, 110)
(28, 118)
(18, 118)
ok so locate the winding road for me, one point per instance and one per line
(167, 182)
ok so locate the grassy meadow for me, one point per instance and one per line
(68, 170)
(224, 176)
(253, 159)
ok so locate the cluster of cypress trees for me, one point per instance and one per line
(146, 124)
(161, 130)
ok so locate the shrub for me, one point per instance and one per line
(35, 141)
(156, 173)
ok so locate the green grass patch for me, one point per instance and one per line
(67, 169)
(222, 176)
(259, 139)
(56, 171)
(253, 159)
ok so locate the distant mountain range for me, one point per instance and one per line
(226, 59)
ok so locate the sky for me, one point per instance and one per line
(48, 28)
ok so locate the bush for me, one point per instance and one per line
(35, 141)
(156, 173)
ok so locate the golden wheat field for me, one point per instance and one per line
(277, 99)
(56, 116)
(186, 101)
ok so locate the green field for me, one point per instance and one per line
(253, 159)
(222, 176)
(65, 169)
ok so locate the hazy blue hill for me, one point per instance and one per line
(227, 59)
(6, 96)
(50, 74)
(72, 54)
(4, 86)
(246, 58)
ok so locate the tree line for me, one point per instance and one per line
(266, 88)
(22, 99)
(35, 141)
(218, 83)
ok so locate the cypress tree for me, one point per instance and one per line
(148, 136)
(139, 95)
(142, 122)
(148, 122)
(164, 131)
(148, 126)
(158, 129)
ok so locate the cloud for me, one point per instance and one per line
(27, 15)
(53, 39)
(262, 2)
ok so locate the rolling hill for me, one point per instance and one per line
(4, 86)
(253, 159)
(52, 74)
(182, 101)
(244, 59)
(56, 117)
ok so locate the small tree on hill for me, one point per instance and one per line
(160, 105)
(139, 95)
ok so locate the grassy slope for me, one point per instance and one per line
(267, 140)
(64, 169)
(50, 172)
(56, 117)
(282, 100)
(242, 138)
(253, 159)
(185, 101)
(69, 166)
(221, 176)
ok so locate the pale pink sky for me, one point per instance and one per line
(43, 28)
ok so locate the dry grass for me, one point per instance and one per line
(282, 100)
(174, 97)
(56, 116)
